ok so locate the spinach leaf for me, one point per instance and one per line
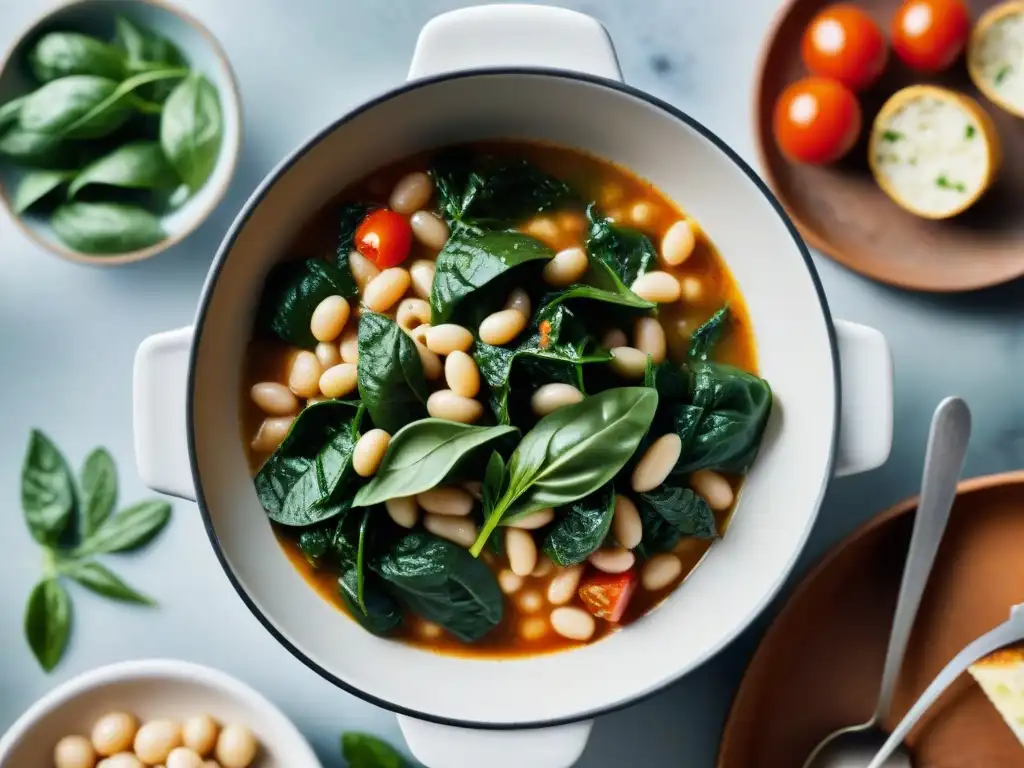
(669, 378)
(60, 54)
(582, 295)
(484, 265)
(191, 129)
(581, 527)
(333, 543)
(99, 490)
(47, 490)
(571, 453)
(627, 252)
(309, 477)
(422, 455)
(128, 530)
(138, 165)
(378, 613)
(292, 291)
(391, 380)
(361, 750)
(144, 49)
(99, 579)
(349, 219)
(704, 339)
(9, 113)
(669, 513)
(106, 227)
(36, 186)
(40, 150)
(441, 582)
(48, 622)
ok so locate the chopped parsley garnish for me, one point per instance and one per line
(945, 183)
(892, 136)
(969, 132)
(1002, 73)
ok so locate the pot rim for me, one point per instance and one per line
(227, 244)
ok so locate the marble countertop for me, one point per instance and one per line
(68, 336)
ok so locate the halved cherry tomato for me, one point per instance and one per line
(817, 120)
(928, 35)
(384, 237)
(842, 42)
(607, 595)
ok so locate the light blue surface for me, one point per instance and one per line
(68, 335)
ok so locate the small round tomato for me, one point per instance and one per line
(607, 595)
(928, 35)
(817, 120)
(842, 42)
(384, 237)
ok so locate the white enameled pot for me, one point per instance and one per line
(546, 74)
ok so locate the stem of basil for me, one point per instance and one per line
(49, 563)
(490, 523)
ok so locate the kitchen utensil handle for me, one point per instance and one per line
(534, 36)
(446, 746)
(158, 410)
(943, 462)
(1008, 632)
(865, 429)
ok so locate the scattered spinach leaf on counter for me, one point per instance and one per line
(99, 579)
(48, 621)
(628, 252)
(47, 490)
(99, 490)
(60, 54)
(126, 531)
(292, 291)
(191, 129)
(581, 527)
(106, 227)
(37, 186)
(704, 339)
(138, 165)
(391, 381)
(363, 750)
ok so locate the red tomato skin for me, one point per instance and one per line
(929, 35)
(607, 595)
(817, 120)
(384, 237)
(844, 43)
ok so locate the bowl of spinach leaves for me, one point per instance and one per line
(120, 126)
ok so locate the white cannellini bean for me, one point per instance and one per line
(573, 623)
(421, 272)
(412, 313)
(446, 500)
(271, 432)
(521, 551)
(502, 327)
(74, 752)
(369, 452)
(385, 290)
(543, 567)
(304, 374)
(550, 397)
(155, 740)
(121, 760)
(411, 193)
(655, 465)
(459, 530)
(461, 374)
(544, 229)
(563, 585)
(678, 242)
(349, 346)
(403, 510)
(627, 527)
(692, 289)
(429, 229)
(448, 337)
(660, 571)
(642, 214)
(568, 266)
(656, 286)
(328, 353)
(339, 380)
(363, 270)
(274, 399)
(519, 300)
(315, 400)
(236, 747)
(530, 601)
(649, 338)
(533, 628)
(419, 333)
(617, 560)
(474, 488)
(509, 582)
(628, 362)
(614, 338)
(445, 404)
(199, 733)
(183, 757)
(714, 488)
(534, 520)
(329, 318)
(433, 368)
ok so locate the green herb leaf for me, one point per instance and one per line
(1003, 73)
(101, 580)
(47, 490)
(40, 150)
(378, 613)
(581, 527)
(422, 455)
(139, 165)
(628, 252)
(129, 529)
(669, 513)
(391, 380)
(704, 339)
(191, 129)
(494, 480)
(361, 562)
(892, 136)
(349, 219)
(60, 54)
(943, 182)
(99, 490)
(9, 113)
(292, 291)
(362, 750)
(145, 50)
(35, 186)
(106, 227)
(969, 131)
(48, 622)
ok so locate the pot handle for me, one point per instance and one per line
(865, 428)
(446, 746)
(514, 36)
(158, 410)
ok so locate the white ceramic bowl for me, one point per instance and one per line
(544, 74)
(150, 689)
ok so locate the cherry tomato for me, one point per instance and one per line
(817, 120)
(928, 35)
(607, 595)
(842, 42)
(384, 237)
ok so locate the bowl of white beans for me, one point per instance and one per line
(166, 713)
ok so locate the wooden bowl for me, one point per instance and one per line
(820, 663)
(841, 211)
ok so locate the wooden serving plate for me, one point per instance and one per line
(820, 663)
(842, 212)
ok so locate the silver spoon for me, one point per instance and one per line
(855, 745)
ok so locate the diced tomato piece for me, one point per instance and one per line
(607, 595)
(384, 237)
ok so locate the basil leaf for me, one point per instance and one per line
(129, 529)
(391, 380)
(99, 490)
(191, 129)
(35, 186)
(48, 622)
(101, 580)
(441, 582)
(307, 478)
(47, 490)
(139, 165)
(361, 750)
(379, 613)
(60, 54)
(470, 263)
(669, 513)
(9, 113)
(581, 527)
(106, 227)
(144, 49)
(40, 150)
(291, 293)
(494, 480)
(628, 252)
(422, 455)
(704, 339)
